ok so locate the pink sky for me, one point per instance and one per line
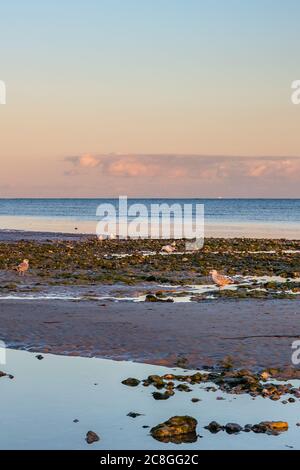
(162, 175)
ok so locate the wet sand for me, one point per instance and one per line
(17, 235)
(256, 333)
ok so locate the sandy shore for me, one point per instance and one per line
(17, 235)
(256, 333)
(255, 322)
(223, 229)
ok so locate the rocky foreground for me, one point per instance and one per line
(81, 403)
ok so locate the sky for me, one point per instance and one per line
(149, 98)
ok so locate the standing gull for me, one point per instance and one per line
(219, 279)
(23, 267)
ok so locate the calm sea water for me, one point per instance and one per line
(216, 210)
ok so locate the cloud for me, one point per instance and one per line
(183, 167)
(86, 160)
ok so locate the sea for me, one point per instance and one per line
(274, 218)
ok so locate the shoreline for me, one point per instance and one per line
(14, 235)
(53, 228)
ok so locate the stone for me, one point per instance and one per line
(214, 427)
(92, 437)
(131, 382)
(247, 428)
(156, 380)
(162, 396)
(153, 298)
(271, 427)
(183, 388)
(175, 426)
(169, 377)
(132, 414)
(233, 428)
(265, 375)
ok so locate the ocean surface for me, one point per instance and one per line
(223, 217)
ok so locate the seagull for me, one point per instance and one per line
(168, 248)
(219, 279)
(23, 267)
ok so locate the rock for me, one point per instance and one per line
(270, 427)
(131, 382)
(265, 375)
(195, 400)
(132, 414)
(75, 420)
(174, 427)
(183, 388)
(156, 380)
(153, 298)
(162, 396)
(214, 427)
(3, 374)
(39, 357)
(210, 389)
(197, 377)
(247, 428)
(170, 385)
(168, 376)
(233, 428)
(92, 437)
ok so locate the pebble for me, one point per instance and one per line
(92, 437)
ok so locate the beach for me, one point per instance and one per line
(255, 333)
(113, 309)
(127, 299)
